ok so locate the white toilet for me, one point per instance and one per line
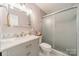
(45, 47)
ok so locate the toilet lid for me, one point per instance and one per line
(45, 45)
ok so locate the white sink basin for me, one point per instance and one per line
(7, 40)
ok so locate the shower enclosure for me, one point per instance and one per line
(59, 30)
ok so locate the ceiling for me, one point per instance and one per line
(52, 7)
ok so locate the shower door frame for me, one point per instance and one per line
(77, 23)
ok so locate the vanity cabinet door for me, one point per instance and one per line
(35, 47)
(4, 53)
(20, 50)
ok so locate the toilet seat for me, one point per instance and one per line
(45, 45)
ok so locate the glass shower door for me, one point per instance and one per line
(65, 32)
(48, 29)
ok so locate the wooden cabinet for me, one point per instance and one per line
(30, 48)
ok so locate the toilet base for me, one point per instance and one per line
(43, 52)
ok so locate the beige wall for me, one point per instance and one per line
(36, 17)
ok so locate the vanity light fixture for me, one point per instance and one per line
(22, 7)
(12, 5)
(29, 11)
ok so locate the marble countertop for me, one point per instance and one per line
(11, 42)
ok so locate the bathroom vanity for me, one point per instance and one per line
(24, 46)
